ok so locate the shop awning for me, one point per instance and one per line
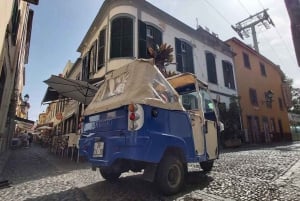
(44, 128)
(50, 124)
(24, 123)
(75, 89)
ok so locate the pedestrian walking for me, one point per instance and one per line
(30, 139)
(25, 141)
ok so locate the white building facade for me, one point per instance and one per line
(123, 30)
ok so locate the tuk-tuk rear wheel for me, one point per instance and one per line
(109, 174)
(207, 165)
(170, 175)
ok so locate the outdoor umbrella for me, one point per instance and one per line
(75, 89)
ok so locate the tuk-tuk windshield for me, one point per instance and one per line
(190, 101)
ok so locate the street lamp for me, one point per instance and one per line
(26, 98)
(25, 106)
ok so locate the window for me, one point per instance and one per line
(184, 56)
(253, 97)
(85, 67)
(228, 74)
(246, 60)
(101, 49)
(262, 69)
(211, 68)
(268, 100)
(154, 36)
(280, 103)
(92, 60)
(149, 36)
(121, 37)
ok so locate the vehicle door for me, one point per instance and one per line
(192, 104)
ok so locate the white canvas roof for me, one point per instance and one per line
(138, 82)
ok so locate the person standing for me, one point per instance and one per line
(25, 139)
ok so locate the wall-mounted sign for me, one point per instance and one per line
(59, 116)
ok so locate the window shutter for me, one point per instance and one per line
(211, 68)
(179, 66)
(85, 67)
(101, 49)
(157, 36)
(190, 60)
(92, 59)
(121, 37)
(142, 40)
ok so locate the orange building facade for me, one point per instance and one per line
(264, 96)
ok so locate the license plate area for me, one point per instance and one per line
(98, 149)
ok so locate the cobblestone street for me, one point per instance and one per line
(271, 173)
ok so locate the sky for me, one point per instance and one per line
(60, 26)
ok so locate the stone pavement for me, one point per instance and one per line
(271, 173)
(3, 160)
(292, 176)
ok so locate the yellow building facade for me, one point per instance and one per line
(264, 96)
(15, 35)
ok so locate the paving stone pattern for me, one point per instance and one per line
(244, 174)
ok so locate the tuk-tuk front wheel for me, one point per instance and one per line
(109, 174)
(170, 175)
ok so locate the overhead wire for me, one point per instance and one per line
(218, 12)
(281, 38)
(245, 8)
(269, 44)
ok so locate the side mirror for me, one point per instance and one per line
(221, 125)
(211, 106)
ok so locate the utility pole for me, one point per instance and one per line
(243, 27)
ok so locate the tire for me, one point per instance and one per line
(170, 175)
(207, 165)
(109, 174)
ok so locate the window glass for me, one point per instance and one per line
(184, 56)
(190, 101)
(101, 48)
(228, 75)
(263, 69)
(253, 97)
(246, 60)
(121, 37)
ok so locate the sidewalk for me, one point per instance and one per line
(292, 176)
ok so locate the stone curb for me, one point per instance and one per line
(291, 177)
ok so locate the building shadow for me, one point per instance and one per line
(34, 163)
(130, 188)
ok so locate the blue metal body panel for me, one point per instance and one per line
(148, 144)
